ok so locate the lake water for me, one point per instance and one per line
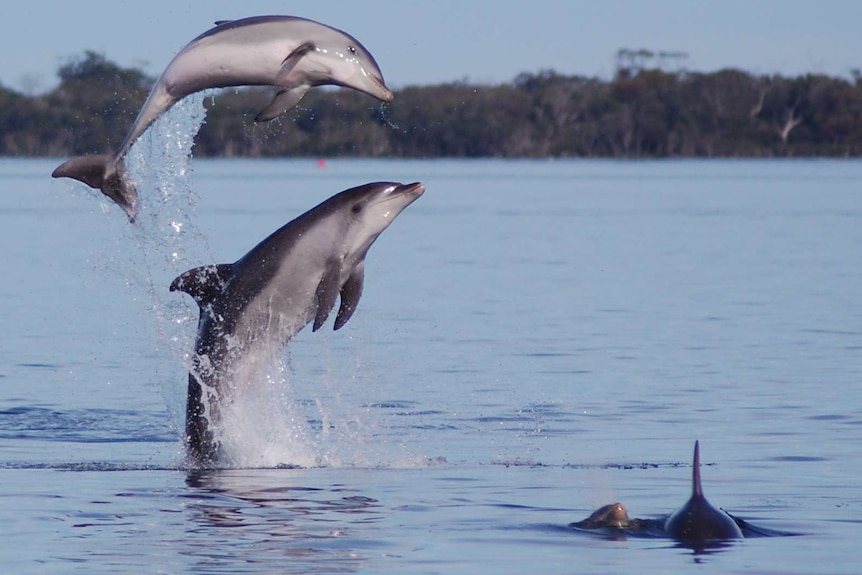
(536, 339)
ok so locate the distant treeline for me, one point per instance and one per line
(642, 112)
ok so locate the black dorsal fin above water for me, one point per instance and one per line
(696, 485)
(204, 283)
(698, 521)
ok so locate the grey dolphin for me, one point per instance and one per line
(293, 54)
(249, 309)
(698, 521)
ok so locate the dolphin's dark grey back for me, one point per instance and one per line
(698, 521)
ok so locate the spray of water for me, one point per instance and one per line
(169, 243)
(261, 423)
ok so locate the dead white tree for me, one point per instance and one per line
(792, 121)
(758, 107)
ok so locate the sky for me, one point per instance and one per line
(421, 42)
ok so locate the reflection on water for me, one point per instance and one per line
(269, 515)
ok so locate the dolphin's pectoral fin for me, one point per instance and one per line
(327, 293)
(350, 294)
(283, 101)
(203, 283)
(292, 93)
(290, 62)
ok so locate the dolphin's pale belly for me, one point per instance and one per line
(202, 67)
(279, 312)
(270, 298)
(249, 55)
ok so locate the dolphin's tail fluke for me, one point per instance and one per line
(88, 169)
(696, 486)
(100, 171)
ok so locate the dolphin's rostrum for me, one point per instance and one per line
(289, 53)
(249, 309)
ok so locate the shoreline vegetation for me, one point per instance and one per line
(644, 111)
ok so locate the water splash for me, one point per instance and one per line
(261, 424)
(160, 164)
(169, 241)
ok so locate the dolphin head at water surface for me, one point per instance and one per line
(613, 515)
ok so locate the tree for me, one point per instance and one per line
(651, 108)
(96, 102)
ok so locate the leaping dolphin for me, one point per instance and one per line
(249, 309)
(293, 54)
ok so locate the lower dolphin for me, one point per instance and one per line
(252, 307)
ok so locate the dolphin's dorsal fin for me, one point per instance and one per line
(351, 291)
(222, 22)
(205, 283)
(327, 293)
(696, 486)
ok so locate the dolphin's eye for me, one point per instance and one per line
(357, 208)
(352, 50)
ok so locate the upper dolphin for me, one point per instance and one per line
(250, 308)
(290, 53)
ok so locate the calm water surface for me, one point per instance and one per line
(536, 339)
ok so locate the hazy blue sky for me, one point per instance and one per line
(422, 42)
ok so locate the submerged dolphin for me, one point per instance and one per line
(697, 523)
(249, 309)
(293, 54)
